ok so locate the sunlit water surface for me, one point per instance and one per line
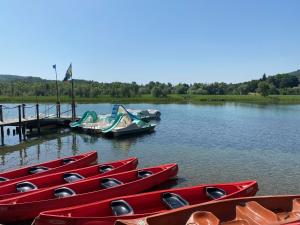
(211, 143)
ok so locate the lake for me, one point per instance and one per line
(211, 143)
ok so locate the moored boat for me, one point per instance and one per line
(91, 119)
(27, 207)
(119, 123)
(54, 166)
(125, 125)
(56, 179)
(135, 206)
(261, 210)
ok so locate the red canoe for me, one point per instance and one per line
(38, 183)
(259, 210)
(29, 206)
(58, 165)
(135, 206)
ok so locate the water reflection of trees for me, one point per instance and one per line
(75, 144)
(56, 143)
(37, 145)
(59, 146)
(38, 151)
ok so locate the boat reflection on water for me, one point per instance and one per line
(126, 142)
(122, 142)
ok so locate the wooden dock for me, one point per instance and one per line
(32, 120)
(25, 122)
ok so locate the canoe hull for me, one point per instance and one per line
(137, 131)
(12, 210)
(83, 160)
(56, 179)
(225, 210)
(153, 199)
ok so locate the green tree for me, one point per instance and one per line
(181, 88)
(263, 88)
(157, 92)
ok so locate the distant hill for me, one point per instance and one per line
(283, 84)
(6, 77)
(295, 73)
(10, 78)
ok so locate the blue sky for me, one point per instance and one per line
(143, 40)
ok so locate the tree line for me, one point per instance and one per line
(281, 84)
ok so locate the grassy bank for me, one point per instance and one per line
(174, 98)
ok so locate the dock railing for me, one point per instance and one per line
(20, 115)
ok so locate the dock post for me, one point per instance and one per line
(1, 128)
(38, 119)
(2, 135)
(23, 111)
(24, 128)
(1, 113)
(20, 123)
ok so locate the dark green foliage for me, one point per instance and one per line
(158, 92)
(284, 84)
(263, 88)
(181, 88)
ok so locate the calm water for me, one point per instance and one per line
(211, 143)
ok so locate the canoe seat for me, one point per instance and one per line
(37, 169)
(173, 201)
(121, 208)
(214, 192)
(63, 192)
(25, 186)
(296, 205)
(67, 161)
(144, 173)
(72, 177)
(255, 213)
(203, 218)
(2, 179)
(105, 168)
(288, 216)
(110, 182)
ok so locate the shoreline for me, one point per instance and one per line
(170, 99)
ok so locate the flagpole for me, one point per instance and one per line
(57, 95)
(73, 100)
(69, 74)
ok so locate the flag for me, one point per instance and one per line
(68, 75)
(54, 66)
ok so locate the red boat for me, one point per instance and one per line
(39, 183)
(28, 206)
(135, 206)
(259, 210)
(58, 165)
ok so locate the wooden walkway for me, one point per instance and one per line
(33, 119)
(25, 122)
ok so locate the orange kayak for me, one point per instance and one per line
(262, 210)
